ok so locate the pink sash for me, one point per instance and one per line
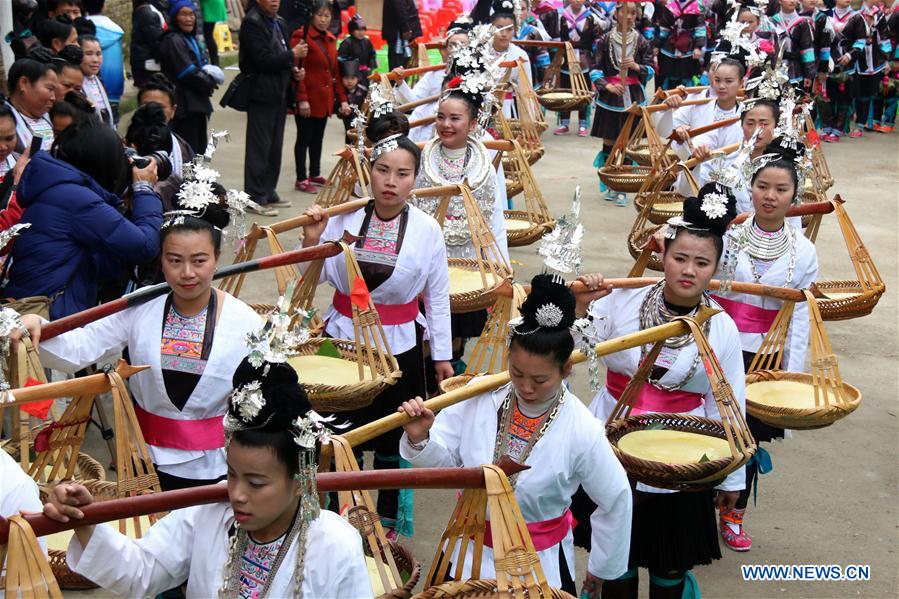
(545, 534)
(616, 79)
(651, 398)
(749, 318)
(392, 314)
(196, 435)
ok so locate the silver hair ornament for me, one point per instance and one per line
(561, 247)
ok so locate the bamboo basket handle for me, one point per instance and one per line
(625, 403)
(770, 353)
(736, 430)
(27, 572)
(283, 274)
(826, 378)
(375, 538)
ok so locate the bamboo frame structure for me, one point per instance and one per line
(368, 347)
(834, 398)
(288, 273)
(536, 213)
(732, 426)
(578, 95)
(488, 260)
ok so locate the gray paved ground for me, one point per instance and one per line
(831, 498)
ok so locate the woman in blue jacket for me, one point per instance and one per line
(78, 233)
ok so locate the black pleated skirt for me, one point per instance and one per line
(669, 531)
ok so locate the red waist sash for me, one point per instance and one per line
(389, 313)
(208, 433)
(616, 80)
(651, 398)
(749, 318)
(545, 534)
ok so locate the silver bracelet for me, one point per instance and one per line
(142, 186)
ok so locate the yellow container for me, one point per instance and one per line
(222, 36)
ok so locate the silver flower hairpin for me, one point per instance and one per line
(714, 205)
(548, 315)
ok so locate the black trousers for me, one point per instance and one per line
(310, 135)
(395, 59)
(193, 128)
(211, 46)
(262, 157)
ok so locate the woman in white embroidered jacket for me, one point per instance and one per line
(269, 540)
(542, 424)
(766, 249)
(402, 257)
(192, 338)
(672, 532)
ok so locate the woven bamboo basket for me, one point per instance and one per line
(456, 382)
(410, 570)
(514, 186)
(731, 428)
(348, 395)
(477, 299)
(517, 235)
(515, 125)
(480, 589)
(846, 299)
(635, 242)
(561, 100)
(667, 205)
(86, 467)
(629, 178)
(531, 153)
(642, 156)
(800, 418)
(679, 477)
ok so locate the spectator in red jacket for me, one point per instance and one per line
(317, 95)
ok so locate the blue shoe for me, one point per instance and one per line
(610, 196)
(621, 199)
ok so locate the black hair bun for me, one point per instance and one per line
(148, 130)
(786, 148)
(712, 209)
(160, 81)
(392, 123)
(41, 54)
(72, 54)
(545, 290)
(503, 8)
(285, 398)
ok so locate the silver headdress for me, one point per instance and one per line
(378, 103)
(771, 84)
(737, 172)
(9, 322)
(788, 133)
(739, 45)
(358, 124)
(385, 146)
(473, 64)
(198, 191)
(561, 247)
(284, 331)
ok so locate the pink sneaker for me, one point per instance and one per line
(856, 133)
(737, 541)
(582, 132)
(830, 138)
(318, 180)
(563, 130)
(305, 186)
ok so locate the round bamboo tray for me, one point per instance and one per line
(799, 418)
(517, 235)
(629, 178)
(478, 589)
(472, 299)
(635, 242)
(514, 186)
(563, 99)
(515, 126)
(456, 382)
(846, 299)
(678, 477)
(531, 153)
(348, 396)
(640, 154)
(669, 205)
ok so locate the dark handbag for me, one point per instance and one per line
(237, 96)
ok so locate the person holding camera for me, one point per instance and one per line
(185, 62)
(73, 199)
(270, 64)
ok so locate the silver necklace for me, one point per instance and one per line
(501, 445)
(654, 312)
(768, 247)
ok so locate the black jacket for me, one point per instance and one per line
(146, 35)
(266, 58)
(361, 51)
(182, 66)
(399, 16)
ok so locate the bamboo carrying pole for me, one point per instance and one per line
(141, 296)
(302, 220)
(378, 427)
(391, 76)
(166, 501)
(415, 104)
(697, 131)
(87, 385)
